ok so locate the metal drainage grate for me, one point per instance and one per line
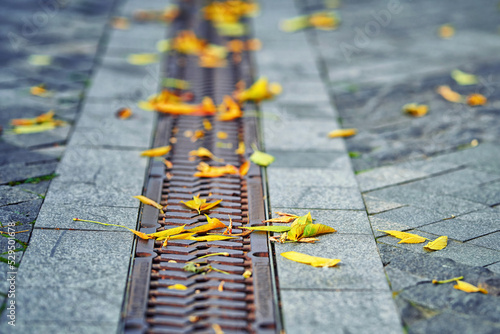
(244, 305)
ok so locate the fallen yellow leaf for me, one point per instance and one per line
(213, 237)
(449, 95)
(206, 170)
(157, 151)
(415, 110)
(275, 229)
(46, 126)
(177, 287)
(260, 90)
(204, 153)
(437, 244)
(467, 287)
(149, 201)
(228, 110)
(311, 260)
(142, 58)
(46, 117)
(213, 223)
(241, 148)
(40, 90)
(412, 240)
(342, 133)
(206, 124)
(121, 23)
(200, 204)
(168, 232)
(222, 135)
(247, 273)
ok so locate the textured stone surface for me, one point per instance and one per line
(360, 266)
(99, 126)
(348, 312)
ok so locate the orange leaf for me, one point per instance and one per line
(204, 153)
(476, 99)
(124, 113)
(415, 110)
(207, 125)
(244, 168)
(156, 152)
(206, 170)
(47, 117)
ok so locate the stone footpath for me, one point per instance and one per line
(435, 175)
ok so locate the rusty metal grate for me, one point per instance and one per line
(245, 305)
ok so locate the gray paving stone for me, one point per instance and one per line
(99, 126)
(403, 218)
(90, 194)
(312, 159)
(360, 266)
(495, 267)
(448, 322)
(22, 213)
(314, 177)
(489, 241)
(347, 312)
(488, 194)
(375, 205)
(118, 168)
(120, 81)
(444, 204)
(57, 215)
(454, 181)
(467, 227)
(400, 280)
(483, 157)
(286, 196)
(401, 173)
(75, 260)
(298, 110)
(144, 34)
(444, 296)
(62, 327)
(344, 221)
(56, 136)
(292, 134)
(468, 254)
(20, 171)
(12, 195)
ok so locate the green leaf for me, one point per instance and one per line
(312, 230)
(303, 220)
(277, 229)
(262, 159)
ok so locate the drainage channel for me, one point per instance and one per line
(213, 302)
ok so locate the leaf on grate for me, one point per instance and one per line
(276, 229)
(212, 237)
(213, 223)
(311, 260)
(169, 232)
(205, 170)
(202, 152)
(149, 201)
(244, 168)
(200, 204)
(181, 236)
(177, 287)
(415, 110)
